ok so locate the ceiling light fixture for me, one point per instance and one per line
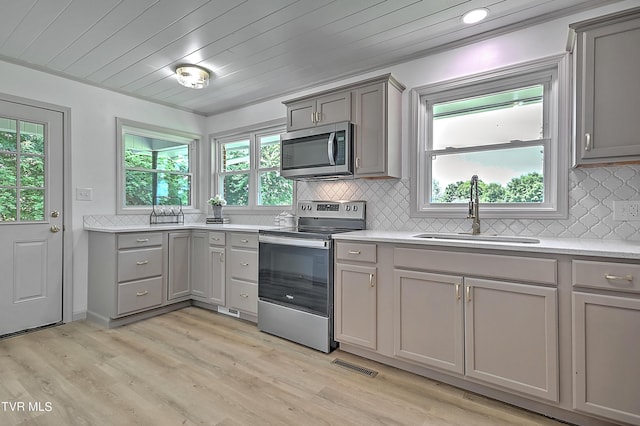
(193, 76)
(475, 15)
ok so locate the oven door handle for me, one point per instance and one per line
(298, 242)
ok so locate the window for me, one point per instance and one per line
(503, 127)
(247, 170)
(156, 167)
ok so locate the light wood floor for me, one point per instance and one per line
(193, 367)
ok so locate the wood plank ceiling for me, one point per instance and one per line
(258, 49)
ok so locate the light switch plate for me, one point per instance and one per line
(84, 194)
(626, 211)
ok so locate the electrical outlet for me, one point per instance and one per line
(633, 211)
(84, 194)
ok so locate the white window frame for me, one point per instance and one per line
(554, 73)
(253, 134)
(148, 130)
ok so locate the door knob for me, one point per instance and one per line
(55, 228)
(55, 213)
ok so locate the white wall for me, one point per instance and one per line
(93, 149)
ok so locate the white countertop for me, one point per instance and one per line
(573, 246)
(179, 226)
(621, 249)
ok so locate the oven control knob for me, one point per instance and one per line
(355, 208)
(348, 207)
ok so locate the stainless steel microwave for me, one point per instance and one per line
(319, 152)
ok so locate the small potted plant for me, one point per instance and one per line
(216, 204)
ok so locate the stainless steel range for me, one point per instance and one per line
(295, 281)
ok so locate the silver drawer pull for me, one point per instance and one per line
(619, 277)
(142, 240)
(354, 251)
(244, 241)
(215, 238)
(142, 262)
(244, 264)
(245, 295)
(142, 293)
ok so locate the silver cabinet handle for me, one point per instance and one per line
(142, 240)
(142, 262)
(318, 116)
(215, 238)
(354, 251)
(313, 117)
(244, 295)
(244, 264)
(371, 280)
(587, 142)
(457, 291)
(619, 277)
(357, 162)
(142, 293)
(221, 257)
(244, 241)
(469, 294)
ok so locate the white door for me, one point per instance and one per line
(31, 143)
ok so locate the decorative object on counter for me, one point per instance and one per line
(217, 220)
(216, 204)
(166, 210)
(286, 219)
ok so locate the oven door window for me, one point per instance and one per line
(299, 277)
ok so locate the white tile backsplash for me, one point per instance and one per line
(591, 195)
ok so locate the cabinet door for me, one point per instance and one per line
(356, 305)
(606, 339)
(300, 115)
(428, 312)
(608, 97)
(199, 264)
(217, 275)
(371, 129)
(511, 336)
(334, 108)
(179, 254)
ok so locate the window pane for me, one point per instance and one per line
(138, 188)
(8, 203)
(31, 171)
(274, 190)
(32, 138)
(151, 153)
(174, 159)
(31, 204)
(235, 189)
(511, 175)
(174, 187)
(269, 151)
(8, 171)
(490, 119)
(8, 135)
(235, 156)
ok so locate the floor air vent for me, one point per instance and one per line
(356, 368)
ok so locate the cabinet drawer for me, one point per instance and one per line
(244, 240)
(143, 239)
(606, 275)
(527, 269)
(141, 263)
(244, 296)
(138, 295)
(244, 265)
(356, 251)
(216, 238)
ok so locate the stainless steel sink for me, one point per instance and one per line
(481, 237)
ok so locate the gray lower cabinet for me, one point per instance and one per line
(178, 283)
(356, 305)
(217, 280)
(607, 89)
(126, 274)
(606, 339)
(199, 265)
(242, 264)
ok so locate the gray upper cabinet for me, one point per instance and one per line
(607, 89)
(326, 109)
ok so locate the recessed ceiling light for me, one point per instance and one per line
(475, 15)
(193, 76)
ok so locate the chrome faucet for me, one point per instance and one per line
(474, 206)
